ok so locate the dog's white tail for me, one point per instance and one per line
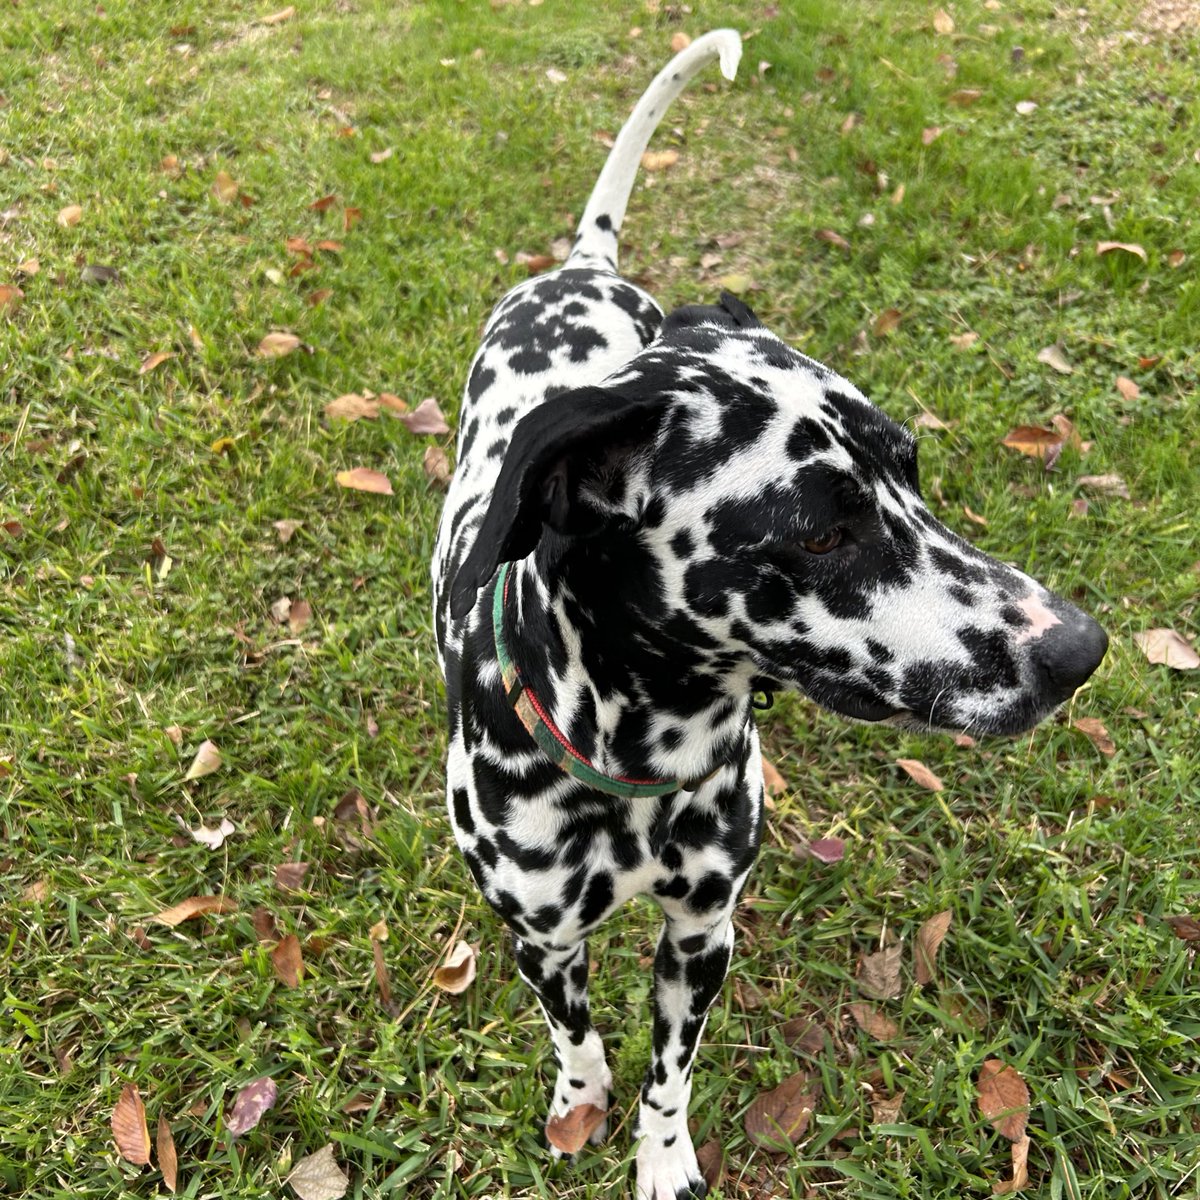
(601, 221)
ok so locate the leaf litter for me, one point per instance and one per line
(318, 1176)
(129, 1126)
(250, 1104)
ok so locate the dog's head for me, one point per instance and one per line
(751, 511)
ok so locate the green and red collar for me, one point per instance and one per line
(548, 736)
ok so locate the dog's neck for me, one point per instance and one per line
(624, 696)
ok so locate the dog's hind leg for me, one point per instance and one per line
(689, 967)
(558, 976)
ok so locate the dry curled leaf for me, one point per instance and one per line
(287, 960)
(249, 1105)
(1093, 729)
(225, 188)
(1185, 928)
(1003, 1098)
(194, 906)
(151, 361)
(773, 781)
(679, 41)
(214, 839)
(437, 466)
(299, 616)
(363, 479)
(887, 320)
(1020, 1169)
(425, 418)
(965, 97)
(1106, 485)
(879, 973)
(206, 761)
(920, 773)
(285, 530)
(10, 298)
(964, 341)
(826, 850)
(928, 943)
(289, 876)
(457, 972)
(659, 160)
(318, 1177)
(1053, 356)
(276, 345)
(277, 18)
(381, 155)
(833, 238)
(710, 1158)
(870, 1020)
(129, 1126)
(943, 22)
(1128, 389)
(777, 1119)
(1167, 647)
(352, 407)
(1127, 247)
(930, 135)
(69, 216)
(168, 1160)
(264, 925)
(570, 1133)
(1034, 440)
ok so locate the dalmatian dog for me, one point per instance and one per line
(653, 521)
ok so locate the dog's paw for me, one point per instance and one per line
(575, 1112)
(667, 1170)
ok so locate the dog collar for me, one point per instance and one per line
(548, 736)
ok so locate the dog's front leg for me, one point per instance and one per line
(689, 968)
(558, 976)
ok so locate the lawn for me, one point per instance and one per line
(919, 197)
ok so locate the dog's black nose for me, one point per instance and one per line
(1067, 653)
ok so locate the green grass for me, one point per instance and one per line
(1058, 863)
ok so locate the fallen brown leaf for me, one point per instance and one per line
(920, 773)
(1108, 485)
(287, 960)
(10, 298)
(879, 973)
(391, 402)
(943, 22)
(276, 345)
(207, 760)
(437, 466)
(777, 1119)
(833, 238)
(773, 781)
(870, 1020)
(1167, 647)
(1186, 928)
(129, 1127)
(299, 617)
(930, 135)
(964, 97)
(168, 1160)
(1128, 389)
(679, 41)
(363, 479)
(225, 188)
(1053, 356)
(457, 972)
(277, 18)
(929, 942)
(264, 925)
(249, 1105)
(318, 1176)
(350, 218)
(1034, 440)
(711, 1160)
(964, 341)
(659, 160)
(289, 876)
(69, 216)
(570, 1133)
(885, 1110)
(1093, 729)
(425, 418)
(151, 361)
(887, 320)
(1127, 247)
(1020, 1167)
(194, 906)
(1003, 1098)
(352, 407)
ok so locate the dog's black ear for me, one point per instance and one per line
(560, 453)
(728, 312)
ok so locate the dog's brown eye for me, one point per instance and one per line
(822, 545)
